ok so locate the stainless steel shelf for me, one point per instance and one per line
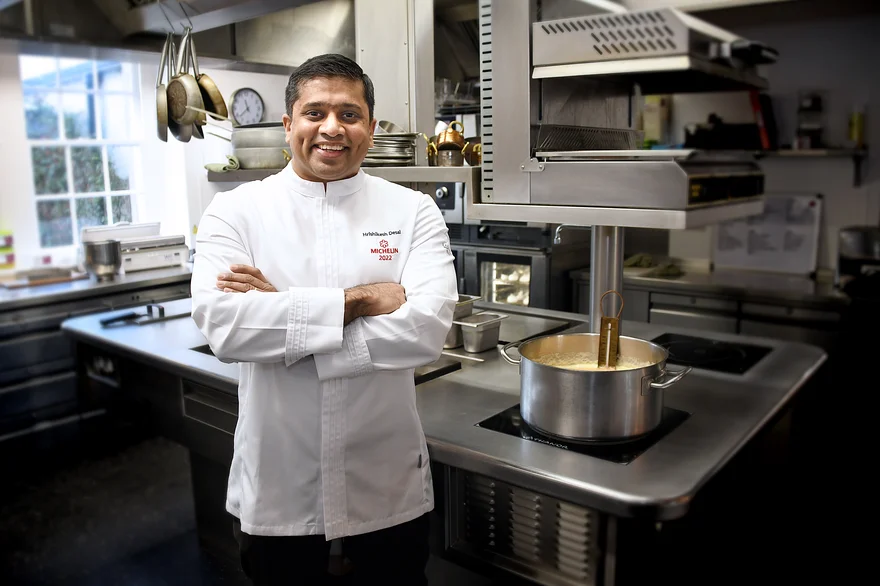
(662, 75)
(857, 156)
(696, 217)
(470, 176)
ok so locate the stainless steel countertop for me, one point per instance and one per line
(744, 285)
(726, 411)
(59, 292)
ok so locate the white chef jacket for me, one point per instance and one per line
(328, 438)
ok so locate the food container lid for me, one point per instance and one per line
(480, 321)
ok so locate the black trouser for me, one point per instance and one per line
(397, 555)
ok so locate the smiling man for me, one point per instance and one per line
(329, 287)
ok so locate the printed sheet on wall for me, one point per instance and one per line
(785, 238)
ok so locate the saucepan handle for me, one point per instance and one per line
(506, 356)
(674, 377)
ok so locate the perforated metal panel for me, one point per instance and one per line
(653, 33)
(486, 119)
(527, 532)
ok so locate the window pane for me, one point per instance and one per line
(121, 208)
(119, 162)
(115, 77)
(50, 170)
(91, 211)
(56, 225)
(41, 114)
(79, 115)
(76, 74)
(117, 112)
(88, 169)
(38, 72)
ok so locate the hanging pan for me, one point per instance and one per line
(211, 95)
(161, 95)
(184, 90)
(182, 132)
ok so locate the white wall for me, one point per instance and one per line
(197, 153)
(838, 56)
(18, 213)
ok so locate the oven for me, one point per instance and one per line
(529, 277)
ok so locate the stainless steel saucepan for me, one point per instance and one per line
(592, 404)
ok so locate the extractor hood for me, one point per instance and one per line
(559, 147)
(663, 51)
(248, 35)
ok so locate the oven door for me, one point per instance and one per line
(515, 276)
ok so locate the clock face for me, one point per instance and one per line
(247, 107)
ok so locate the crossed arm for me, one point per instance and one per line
(349, 332)
(361, 301)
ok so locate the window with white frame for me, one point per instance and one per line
(84, 148)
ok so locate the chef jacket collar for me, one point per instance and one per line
(316, 188)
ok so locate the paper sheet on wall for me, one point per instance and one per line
(785, 238)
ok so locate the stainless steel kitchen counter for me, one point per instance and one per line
(726, 411)
(743, 285)
(46, 294)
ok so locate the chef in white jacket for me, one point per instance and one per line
(329, 287)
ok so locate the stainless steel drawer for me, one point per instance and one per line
(792, 313)
(691, 301)
(37, 393)
(210, 417)
(692, 319)
(34, 349)
(824, 338)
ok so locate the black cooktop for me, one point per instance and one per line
(510, 422)
(734, 358)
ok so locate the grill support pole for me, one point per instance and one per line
(606, 272)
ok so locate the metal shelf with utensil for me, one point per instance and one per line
(470, 176)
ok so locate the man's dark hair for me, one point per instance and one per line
(326, 66)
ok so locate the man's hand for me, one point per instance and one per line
(375, 299)
(243, 279)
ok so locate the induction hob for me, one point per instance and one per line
(730, 357)
(510, 422)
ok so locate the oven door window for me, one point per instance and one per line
(503, 282)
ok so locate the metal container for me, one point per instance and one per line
(592, 405)
(270, 135)
(480, 331)
(449, 158)
(463, 308)
(262, 157)
(103, 258)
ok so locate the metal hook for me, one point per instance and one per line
(185, 14)
(165, 14)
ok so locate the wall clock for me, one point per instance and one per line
(246, 107)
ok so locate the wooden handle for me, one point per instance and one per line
(601, 299)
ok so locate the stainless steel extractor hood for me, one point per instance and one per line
(664, 51)
(561, 149)
(267, 36)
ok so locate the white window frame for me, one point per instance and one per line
(135, 142)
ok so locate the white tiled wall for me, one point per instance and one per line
(837, 56)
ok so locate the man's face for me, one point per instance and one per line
(329, 129)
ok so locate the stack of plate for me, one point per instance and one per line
(392, 149)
